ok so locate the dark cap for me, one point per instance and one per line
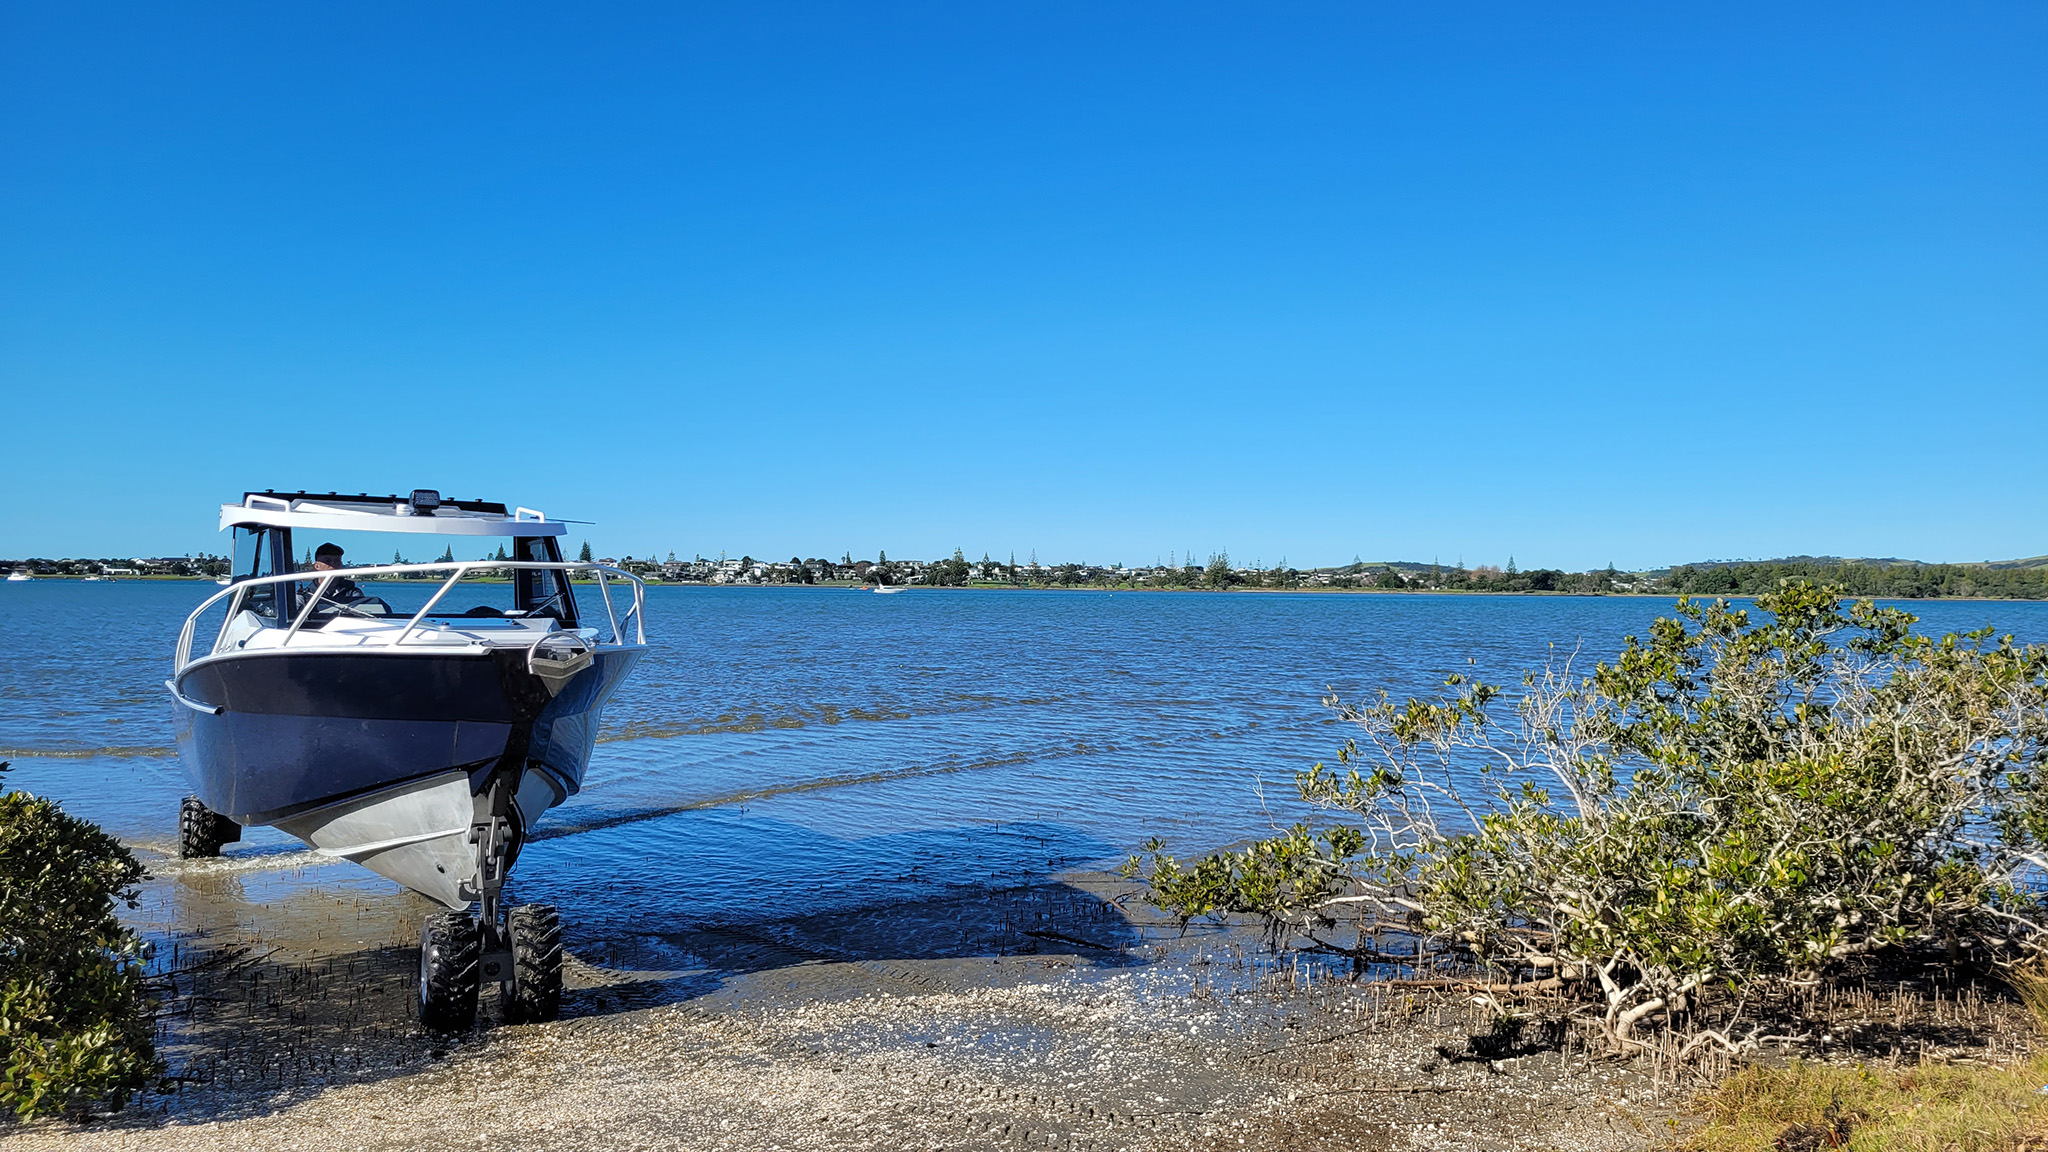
(328, 549)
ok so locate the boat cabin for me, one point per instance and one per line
(264, 546)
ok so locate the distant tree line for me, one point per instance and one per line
(1901, 580)
(1891, 581)
(200, 565)
(1487, 578)
(1883, 579)
(1218, 573)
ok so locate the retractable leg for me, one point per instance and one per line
(521, 946)
(491, 837)
(460, 952)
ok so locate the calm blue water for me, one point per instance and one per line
(822, 748)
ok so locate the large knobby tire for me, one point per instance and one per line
(201, 830)
(451, 948)
(536, 964)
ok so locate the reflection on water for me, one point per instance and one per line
(785, 750)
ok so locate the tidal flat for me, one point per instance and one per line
(1064, 1013)
(1059, 1014)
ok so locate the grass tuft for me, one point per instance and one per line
(1935, 1108)
(2030, 983)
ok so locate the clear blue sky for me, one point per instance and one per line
(1313, 281)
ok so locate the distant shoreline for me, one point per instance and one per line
(848, 586)
(842, 586)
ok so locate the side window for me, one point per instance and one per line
(253, 557)
(542, 591)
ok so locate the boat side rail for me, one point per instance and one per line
(237, 592)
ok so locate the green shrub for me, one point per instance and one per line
(75, 1031)
(1733, 805)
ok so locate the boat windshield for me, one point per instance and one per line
(329, 568)
(482, 594)
(287, 593)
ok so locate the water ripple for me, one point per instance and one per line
(828, 747)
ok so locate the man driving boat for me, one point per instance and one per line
(340, 590)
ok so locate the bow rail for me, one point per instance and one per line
(635, 616)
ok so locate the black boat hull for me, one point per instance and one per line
(299, 731)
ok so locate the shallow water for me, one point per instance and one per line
(785, 751)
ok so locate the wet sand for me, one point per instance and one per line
(1059, 1014)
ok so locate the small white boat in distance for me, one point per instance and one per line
(888, 588)
(19, 576)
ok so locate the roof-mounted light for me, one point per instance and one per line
(424, 501)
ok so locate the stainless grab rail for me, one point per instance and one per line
(196, 706)
(636, 614)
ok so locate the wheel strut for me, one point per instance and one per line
(460, 952)
(519, 949)
(491, 837)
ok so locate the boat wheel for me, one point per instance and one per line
(201, 830)
(536, 990)
(451, 948)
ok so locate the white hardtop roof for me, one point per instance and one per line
(332, 513)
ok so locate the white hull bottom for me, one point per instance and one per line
(417, 833)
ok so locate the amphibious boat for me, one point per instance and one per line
(422, 743)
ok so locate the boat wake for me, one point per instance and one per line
(728, 799)
(139, 751)
(260, 860)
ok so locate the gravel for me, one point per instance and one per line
(823, 1041)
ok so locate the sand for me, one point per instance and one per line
(1058, 1015)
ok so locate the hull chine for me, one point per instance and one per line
(416, 834)
(419, 834)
